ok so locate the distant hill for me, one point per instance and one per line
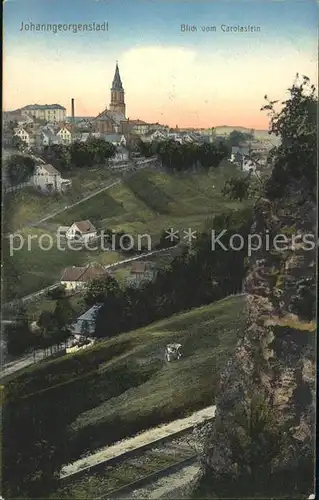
(262, 135)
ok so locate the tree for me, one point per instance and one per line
(236, 138)
(59, 156)
(18, 143)
(20, 169)
(62, 319)
(296, 125)
(237, 188)
(99, 150)
(102, 289)
(19, 334)
(49, 329)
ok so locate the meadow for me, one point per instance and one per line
(146, 202)
(123, 385)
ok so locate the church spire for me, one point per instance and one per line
(117, 83)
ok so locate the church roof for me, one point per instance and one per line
(117, 82)
(115, 116)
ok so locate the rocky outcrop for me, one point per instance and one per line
(276, 356)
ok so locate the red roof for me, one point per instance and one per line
(83, 274)
(85, 226)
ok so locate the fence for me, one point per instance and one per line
(11, 189)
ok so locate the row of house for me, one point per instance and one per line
(177, 136)
(77, 278)
(37, 135)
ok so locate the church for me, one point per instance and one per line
(113, 120)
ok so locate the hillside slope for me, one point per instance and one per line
(148, 202)
(123, 385)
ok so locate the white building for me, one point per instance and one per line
(48, 179)
(139, 127)
(155, 136)
(24, 134)
(77, 278)
(49, 112)
(121, 154)
(82, 231)
(64, 135)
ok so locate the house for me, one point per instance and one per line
(121, 154)
(83, 136)
(157, 135)
(249, 165)
(25, 134)
(141, 271)
(138, 127)
(48, 179)
(238, 153)
(82, 231)
(74, 278)
(47, 137)
(115, 139)
(64, 135)
(85, 324)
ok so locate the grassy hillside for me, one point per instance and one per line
(28, 205)
(150, 201)
(145, 203)
(123, 385)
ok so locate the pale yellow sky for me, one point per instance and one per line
(172, 84)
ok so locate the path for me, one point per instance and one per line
(136, 442)
(53, 214)
(41, 292)
(141, 164)
(29, 359)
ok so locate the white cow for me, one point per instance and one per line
(173, 351)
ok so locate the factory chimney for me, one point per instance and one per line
(72, 113)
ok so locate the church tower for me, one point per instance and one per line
(117, 93)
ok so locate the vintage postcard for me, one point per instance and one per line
(159, 244)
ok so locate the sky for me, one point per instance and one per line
(186, 78)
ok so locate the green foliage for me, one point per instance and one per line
(53, 412)
(94, 151)
(182, 157)
(213, 273)
(20, 169)
(19, 335)
(237, 138)
(237, 188)
(256, 438)
(18, 143)
(295, 159)
(58, 155)
(101, 289)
